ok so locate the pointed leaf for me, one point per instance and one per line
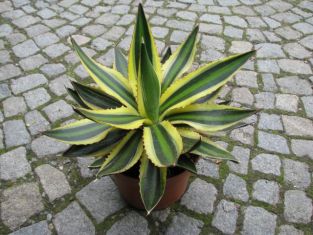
(120, 63)
(148, 89)
(98, 162)
(166, 55)
(209, 149)
(163, 144)
(208, 117)
(122, 117)
(83, 131)
(210, 98)
(189, 137)
(187, 163)
(125, 154)
(76, 98)
(95, 98)
(142, 34)
(180, 61)
(152, 182)
(109, 80)
(201, 82)
(99, 149)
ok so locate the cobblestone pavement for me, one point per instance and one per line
(269, 192)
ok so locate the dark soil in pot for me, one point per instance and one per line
(128, 185)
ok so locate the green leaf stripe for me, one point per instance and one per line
(148, 88)
(76, 98)
(163, 144)
(122, 117)
(208, 149)
(166, 55)
(179, 62)
(81, 132)
(95, 98)
(125, 154)
(120, 62)
(104, 77)
(217, 117)
(187, 164)
(98, 149)
(197, 83)
(152, 182)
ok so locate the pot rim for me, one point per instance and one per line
(137, 179)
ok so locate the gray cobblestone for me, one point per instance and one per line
(13, 106)
(34, 229)
(73, 220)
(225, 217)
(236, 188)
(266, 191)
(296, 173)
(52, 147)
(36, 98)
(267, 164)
(14, 164)
(298, 207)
(53, 181)
(9, 71)
(36, 123)
(200, 197)
(25, 49)
(15, 133)
(271, 142)
(183, 224)
(258, 221)
(28, 82)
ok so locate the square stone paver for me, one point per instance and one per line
(20, 203)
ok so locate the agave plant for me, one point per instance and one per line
(147, 110)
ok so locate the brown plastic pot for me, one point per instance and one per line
(129, 189)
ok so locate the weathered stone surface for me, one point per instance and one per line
(73, 220)
(14, 164)
(13, 106)
(308, 105)
(207, 168)
(83, 163)
(53, 181)
(15, 133)
(297, 125)
(225, 217)
(296, 173)
(9, 71)
(51, 146)
(271, 142)
(243, 135)
(302, 148)
(269, 50)
(36, 98)
(131, 224)
(53, 69)
(4, 91)
(242, 155)
(200, 197)
(265, 100)
(266, 191)
(269, 82)
(258, 221)
(268, 66)
(36, 123)
(101, 198)
(46, 39)
(287, 102)
(58, 110)
(270, 122)
(294, 66)
(289, 230)
(56, 50)
(247, 78)
(34, 229)
(236, 188)
(58, 86)
(297, 51)
(298, 207)
(294, 85)
(267, 164)
(242, 95)
(19, 204)
(33, 62)
(183, 224)
(25, 49)
(28, 82)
